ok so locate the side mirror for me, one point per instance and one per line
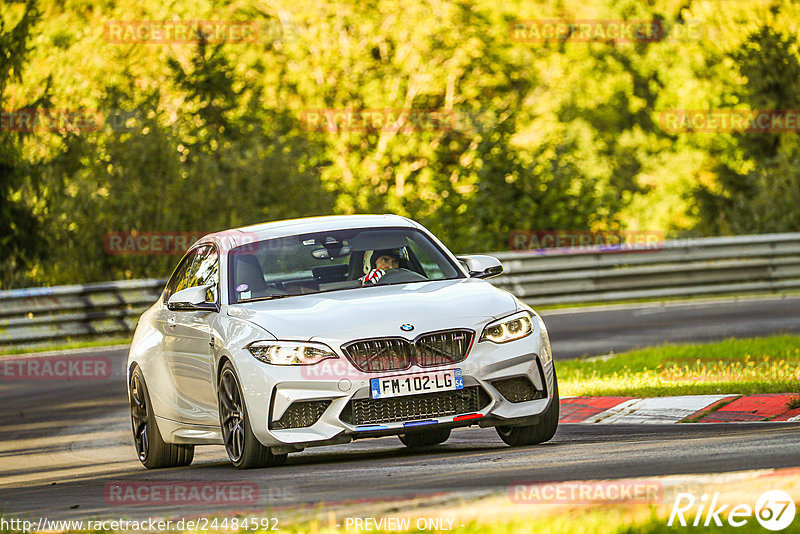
(192, 299)
(482, 266)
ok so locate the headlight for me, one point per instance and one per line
(515, 327)
(290, 352)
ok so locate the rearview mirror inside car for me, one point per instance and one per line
(331, 253)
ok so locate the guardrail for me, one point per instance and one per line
(79, 311)
(767, 263)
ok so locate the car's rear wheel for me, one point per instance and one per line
(538, 433)
(425, 439)
(242, 446)
(151, 449)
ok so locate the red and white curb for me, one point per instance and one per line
(688, 408)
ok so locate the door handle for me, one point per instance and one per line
(171, 322)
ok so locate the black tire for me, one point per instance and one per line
(425, 439)
(152, 450)
(538, 433)
(242, 446)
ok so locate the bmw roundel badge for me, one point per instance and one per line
(407, 327)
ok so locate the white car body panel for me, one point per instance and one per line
(341, 314)
(180, 352)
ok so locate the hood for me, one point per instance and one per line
(379, 311)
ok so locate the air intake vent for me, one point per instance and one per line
(378, 355)
(518, 389)
(301, 414)
(415, 407)
(442, 348)
(397, 354)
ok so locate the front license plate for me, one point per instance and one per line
(398, 386)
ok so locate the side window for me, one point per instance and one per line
(432, 269)
(205, 271)
(180, 277)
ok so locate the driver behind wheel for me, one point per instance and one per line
(381, 261)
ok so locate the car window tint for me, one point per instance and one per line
(432, 269)
(289, 257)
(329, 261)
(180, 277)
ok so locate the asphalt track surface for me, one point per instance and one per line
(65, 444)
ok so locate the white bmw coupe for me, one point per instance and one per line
(285, 335)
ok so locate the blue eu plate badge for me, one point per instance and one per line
(459, 379)
(375, 386)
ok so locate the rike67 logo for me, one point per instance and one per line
(774, 510)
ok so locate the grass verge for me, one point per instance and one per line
(593, 521)
(66, 345)
(615, 519)
(620, 520)
(747, 366)
(553, 508)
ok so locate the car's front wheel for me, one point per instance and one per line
(244, 449)
(425, 439)
(151, 448)
(538, 433)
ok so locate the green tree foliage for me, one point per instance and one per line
(763, 197)
(19, 228)
(525, 134)
(231, 165)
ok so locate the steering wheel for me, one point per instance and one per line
(399, 276)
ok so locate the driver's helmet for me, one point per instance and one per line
(397, 254)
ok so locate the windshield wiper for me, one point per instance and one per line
(268, 297)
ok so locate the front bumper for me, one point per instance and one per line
(335, 397)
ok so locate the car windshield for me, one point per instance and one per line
(334, 260)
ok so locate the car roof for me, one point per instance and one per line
(235, 237)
